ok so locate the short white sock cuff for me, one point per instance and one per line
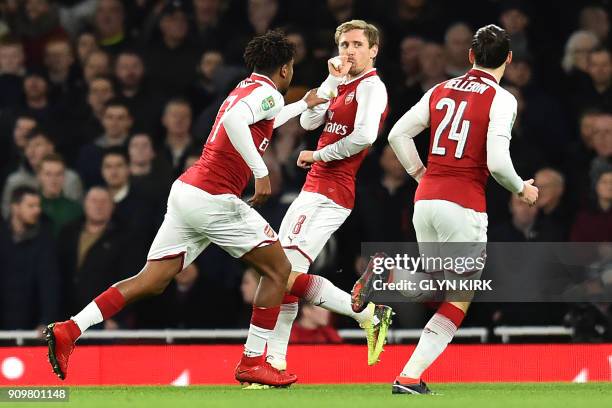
(442, 325)
(87, 317)
(315, 287)
(289, 307)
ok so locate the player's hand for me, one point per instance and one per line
(312, 99)
(263, 191)
(305, 159)
(342, 70)
(530, 192)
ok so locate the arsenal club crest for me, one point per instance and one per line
(349, 98)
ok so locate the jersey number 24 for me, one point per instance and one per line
(459, 128)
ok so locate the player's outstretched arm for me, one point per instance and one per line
(290, 111)
(405, 129)
(372, 100)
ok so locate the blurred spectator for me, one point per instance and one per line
(384, 208)
(514, 18)
(597, 93)
(59, 62)
(116, 122)
(594, 222)
(149, 173)
(75, 14)
(520, 227)
(96, 252)
(12, 58)
(577, 49)
(36, 22)
(59, 209)
(305, 71)
(543, 121)
(38, 145)
(580, 154)
(432, 59)
(172, 61)
(30, 288)
(37, 103)
(99, 92)
(261, 17)
(84, 117)
(14, 149)
(179, 306)
(135, 91)
(595, 18)
(85, 45)
(287, 141)
(313, 326)
(432, 62)
(205, 89)
(176, 120)
(602, 145)
(131, 206)
(410, 49)
(340, 11)
(109, 25)
(12, 70)
(423, 17)
(457, 42)
(262, 13)
(96, 64)
(554, 215)
(207, 17)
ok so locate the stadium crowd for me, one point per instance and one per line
(103, 103)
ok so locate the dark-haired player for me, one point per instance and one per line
(204, 207)
(471, 118)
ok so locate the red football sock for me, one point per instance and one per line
(290, 299)
(263, 321)
(110, 302)
(306, 286)
(265, 317)
(452, 313)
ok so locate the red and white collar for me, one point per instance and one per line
(363, 74)
(482, 73)
(262, 78)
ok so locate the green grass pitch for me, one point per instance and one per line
(554, 395)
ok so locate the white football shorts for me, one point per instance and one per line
(446, 229)
(310, 221)
(195, 218)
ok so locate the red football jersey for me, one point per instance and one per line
(221, 169)
(336, 179)
(461, 113)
